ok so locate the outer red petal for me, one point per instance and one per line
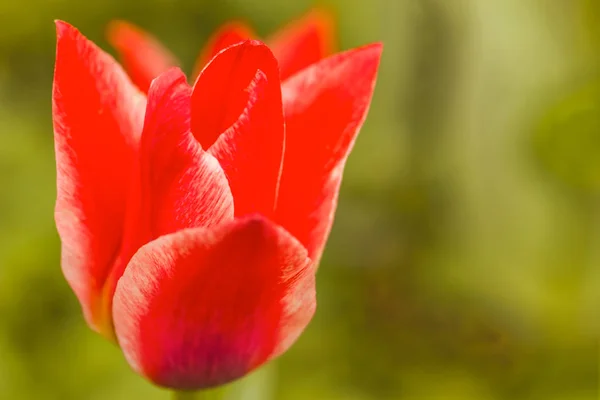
(227, 35)
(143, 56)
(200, 308)
(325, 106)
(237, 113)
(179, 185)
(97, 115)
(303, 42)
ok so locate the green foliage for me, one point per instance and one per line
(567, 140)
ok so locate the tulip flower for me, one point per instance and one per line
(296, 46)
(192, 218)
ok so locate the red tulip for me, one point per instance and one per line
(192, 220)
(298, 45)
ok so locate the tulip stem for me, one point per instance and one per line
(199, 395)
(180, 395)
(177, 395)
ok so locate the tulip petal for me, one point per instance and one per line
(186, 185)
(237, 114)
(199, 308)
(303, 42)
(227, 35)
(325, 105)
(143, 56)
(97, 115)
(179, 185)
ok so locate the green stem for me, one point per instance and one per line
(185, 395)
(199, 395)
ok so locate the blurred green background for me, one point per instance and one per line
(465, 258)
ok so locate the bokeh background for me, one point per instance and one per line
(465, 258)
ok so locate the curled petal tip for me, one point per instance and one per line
(368, 55)
(304, 41)
(118, 31)
(375, 47)
(142, 54)
(372, 52)
(174, 73)
(323, 18)
(247, 43)
(63, 28)
(227, 35)
(254, 42)
(113, 29)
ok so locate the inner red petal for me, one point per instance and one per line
(223, 95)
